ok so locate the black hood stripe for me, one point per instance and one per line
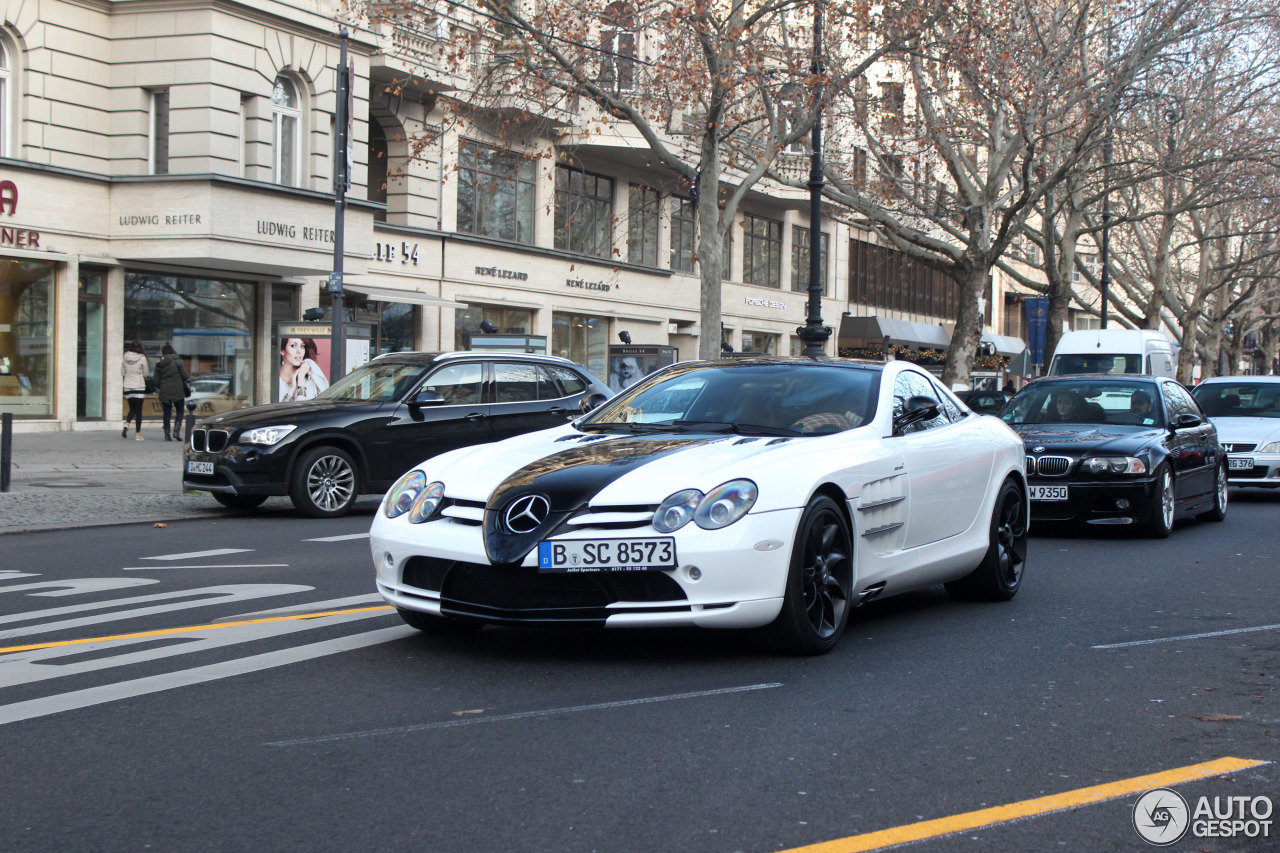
(569, 479)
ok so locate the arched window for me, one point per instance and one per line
(6, 95)
(285, 114)
(618, 48)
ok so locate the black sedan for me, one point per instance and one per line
(1102, 449)
(984, 402)
(378, 421)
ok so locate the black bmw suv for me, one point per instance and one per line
(377, 422)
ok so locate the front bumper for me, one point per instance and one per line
(1264, 470)
(238, 469)
(1097, 502)
(441, 568)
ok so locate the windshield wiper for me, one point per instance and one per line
(740, 429)
(629, 426)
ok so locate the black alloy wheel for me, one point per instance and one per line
(324, 483)
(815, 607)
(999, 576)
(239, 501)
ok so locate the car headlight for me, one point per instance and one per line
(1114, 465)
(402, 495)
(676, 511)
(427, 503)
(725, 504)
(266, 435)
(1272, 447)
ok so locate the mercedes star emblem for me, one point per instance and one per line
(525, 514)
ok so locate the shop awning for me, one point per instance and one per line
(1005, 346)
(412, 297)
(873, 330)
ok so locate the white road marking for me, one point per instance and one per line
(9, 575)
(1190, 637)
(77, 586)
(59, 661)
(154, 684)
(224, 566)
(339, 538)
(331, 604)
(211, 595)
(191, 555)
(523, 715)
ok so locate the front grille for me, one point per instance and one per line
(519, 594)
(1049, 466)
(1238, 448)
(218, 440)
(198, 440)
(1257, 472)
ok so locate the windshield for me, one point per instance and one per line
(801, 398)
(1239, 399)
(1117, 403)
(1069, 365)
(378, 381)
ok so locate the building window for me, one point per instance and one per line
(209, 322)
(91, 313)
(508, 321)
(800, 259)
(378, 172)
(1091, 264)
(285, 113)
(683, 230)
(26, 337)
(584, 212)
(6, 86)
(642, 226)
(495, 193)
(760, 343)
(761, 251)
(159, 133)
(893, 100)
(1084, 321)
(618, 48)
(581, 339)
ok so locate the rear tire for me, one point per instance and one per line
(1160, 525)
(429, 623)
(816, 604)
(999, 575)
(239, 501)
(1219, 511)
(324, 483)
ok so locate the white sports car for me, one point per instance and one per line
(1246, 411)
(729, 494)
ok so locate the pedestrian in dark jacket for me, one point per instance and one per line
(171, 386)
(134, 371)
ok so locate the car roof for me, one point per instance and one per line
(1240, 380)
(1096, 377)
(856, 363)
(432, 357)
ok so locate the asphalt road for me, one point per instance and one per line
(259, 730)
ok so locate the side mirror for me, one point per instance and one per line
(427, 398)
(917, 409)
(1186, 420)
(592, 401)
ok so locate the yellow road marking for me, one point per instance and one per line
(1027, 808)
(190, 628)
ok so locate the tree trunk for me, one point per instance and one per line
(1187, 358)
(968, 332)
(710, 250)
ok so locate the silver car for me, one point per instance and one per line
(1246, 411)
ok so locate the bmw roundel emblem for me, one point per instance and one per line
(526, 513)
(1038, 449)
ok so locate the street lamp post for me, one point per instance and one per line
(341, 177)
(813, 333)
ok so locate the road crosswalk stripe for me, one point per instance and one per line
(191, 555)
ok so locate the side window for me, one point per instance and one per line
(1187, 402)
(517, 383)
(570, 382)
(1172, 402)
(459, 383)
(947, 406)
(909, 385)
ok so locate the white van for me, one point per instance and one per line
(1114, 351)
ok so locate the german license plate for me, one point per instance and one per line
(607, 555)
(1048, 493)
(1239, 463)
(205, 468)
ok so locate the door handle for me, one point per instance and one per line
(476, 416)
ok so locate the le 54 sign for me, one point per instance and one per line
(389, 252)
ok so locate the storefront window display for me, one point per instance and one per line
(209, 322)
(582, 339)
(26, 337)
(91, 344)
(759, 343)
(506, 321)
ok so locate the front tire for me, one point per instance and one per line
(239, 501)
(324, 483)
(815, 606)
(1160, 525)
(999, 575)
(429, 623)
(1219, 511)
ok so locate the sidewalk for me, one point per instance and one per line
(82, 479)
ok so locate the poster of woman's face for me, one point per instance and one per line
(302, 368)
(625, 370)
